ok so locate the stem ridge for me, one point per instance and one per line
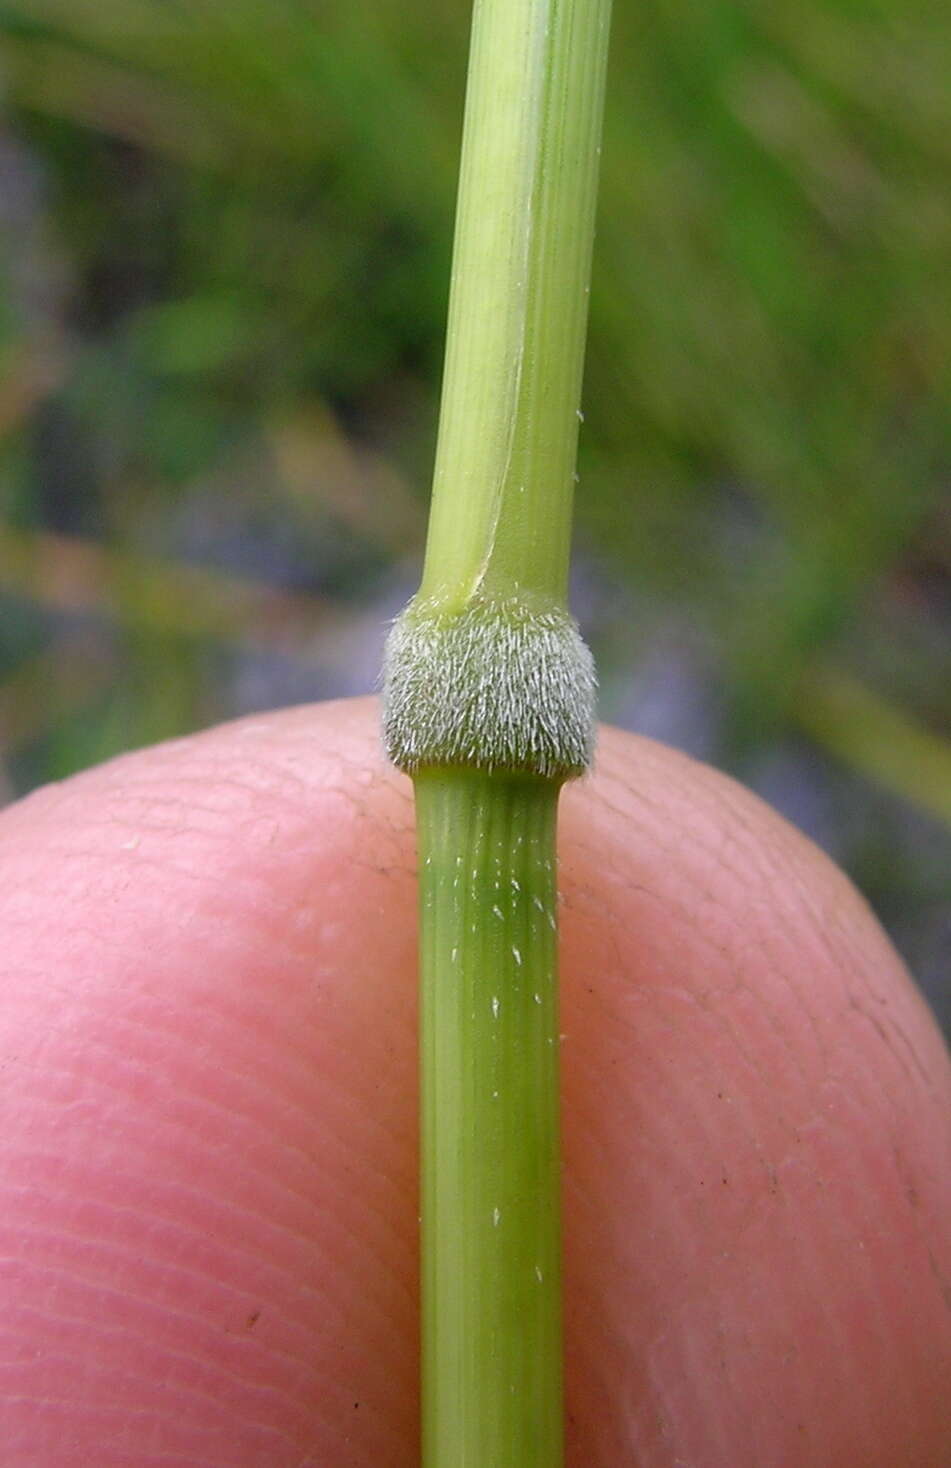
(491, 1231)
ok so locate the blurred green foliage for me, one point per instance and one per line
(225, 258)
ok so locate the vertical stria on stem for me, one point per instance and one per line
(489, 697)
(489, 1111)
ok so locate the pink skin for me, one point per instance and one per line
(207, 1146)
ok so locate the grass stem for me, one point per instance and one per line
(508, 423)
(489, 1084)
(489, 705)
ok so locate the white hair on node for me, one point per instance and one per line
(496, 686)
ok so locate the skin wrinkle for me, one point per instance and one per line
(759, 865)
(835, 1328)
(171, 1133)
(603, 901)
(941, 1279)
(179, 1367)
(908, 1061)
(132, 1423)
(162, 1314)
(697, 927)
(872, 1304)
(275, 1147)
(810, 1016)
(131, 804)
(683, 910)
(146, 1422)
(206, 1396)
(678, 1173)
(344, 1305)
(683, 953)
(734, 801)
(754, 1147)
(112, 1250)
(162, 1211)
(281, 1037)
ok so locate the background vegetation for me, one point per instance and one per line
(224, 246)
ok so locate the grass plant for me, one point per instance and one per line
(489, 705)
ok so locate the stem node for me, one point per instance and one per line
(498, 685)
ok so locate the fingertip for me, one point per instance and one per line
(209, 1149)
(757, 1140)
(209, 1132)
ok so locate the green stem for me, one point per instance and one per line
(491, 1286)
(508, 425)
(489, 704)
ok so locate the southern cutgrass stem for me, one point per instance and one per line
(489, 705)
